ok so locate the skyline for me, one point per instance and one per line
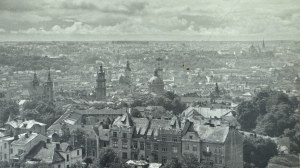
(140, 20)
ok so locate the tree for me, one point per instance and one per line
(190, 161)
(247, 115)
(258, 151)
(107, 158)
(8, 107)
(173, 163)
(136, 113)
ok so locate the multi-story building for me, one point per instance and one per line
(15, 127)
(59, 155)
(158, 140)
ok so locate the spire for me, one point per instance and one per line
(155, 72)
(49, 75)
(35, 81)
(127, 66)
(101, 69)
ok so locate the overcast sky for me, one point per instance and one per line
(149, 20)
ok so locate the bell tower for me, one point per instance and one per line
(48, 89)
(101, 85)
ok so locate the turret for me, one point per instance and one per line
(35, 81)
(101, 85)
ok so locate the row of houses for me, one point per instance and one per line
(26, 142)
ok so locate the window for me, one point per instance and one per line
(5, 156)
(155, 157)
(67, 158)
(174, 149)
(115, 143)
(124, 155)
(124, 135)
(58, 166)
(68, 166)
(124, 144)
(220, 160)
(5, 145)
(155, 146)
(163, 138)
(216, 151)
(191, 136)
(164, 149)
(220, 150)
(164, 159)
(135, 156)
(77, 152)
(174, 139)
(216, 160)
(187, 147)
(115, 134)
(142, 146)
(11, 150)
(94, 153)
(135, 144)
(148, 145)
(194, 147)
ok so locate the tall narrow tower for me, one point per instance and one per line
(101, 85)
(159, 67)
(35, 81)
(128, 73)
(48, 89)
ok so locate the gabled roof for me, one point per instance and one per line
(124, 120)
(47, 155)
(207, 133)
(24, 124)
(25, 138)
(206, 112)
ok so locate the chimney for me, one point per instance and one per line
(16, 137)
(57, 146)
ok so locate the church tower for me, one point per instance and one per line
(101, 85)
(35, 81)
(159, 67)
(128, 73)
(48, 89)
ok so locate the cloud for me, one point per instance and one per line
(234, 18)
(2, 30)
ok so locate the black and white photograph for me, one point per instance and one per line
(149, 84)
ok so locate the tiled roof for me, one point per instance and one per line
(141, 125)
(124, 120)
(206, 112)
(48, 154)
(25, 124)
(28, 124)
(207, 133)
(105, 111)
(24, 139)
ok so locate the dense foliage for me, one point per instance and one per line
(108, 159)
(272, 113)
(8, 107)
(187, 161)
(258, 151)
(169, 101)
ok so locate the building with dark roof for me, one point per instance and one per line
(158, 140)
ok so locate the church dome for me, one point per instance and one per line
(156, 80)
